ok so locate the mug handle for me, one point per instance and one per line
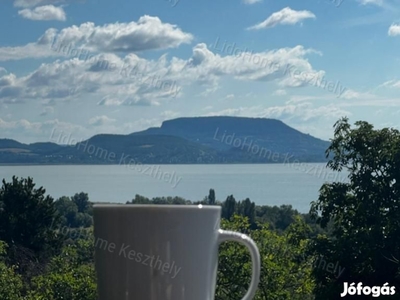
(243, 239)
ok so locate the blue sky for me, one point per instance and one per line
(99, 66)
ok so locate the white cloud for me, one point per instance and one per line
(39, 49)
(128, 81)
(251, 1)
(391, 84)
(306, 112)
(45, 131)
(368, 99)
(47, 111)
(33, 3)
(298, 112)
(302, 98)
(44, 13)
(352, 94)
(149, 33)
(300, 78)
(110, 101)
(279, 93)
(377, 102)
(132, 80)
(169, 114)
(230, 96)
(286, 16)
(394, 30)
(8, 80)
(100, 121)
(262, 66)
(374, 2)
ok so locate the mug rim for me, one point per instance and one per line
(157, 206)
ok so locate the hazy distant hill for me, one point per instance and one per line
(183, 140)
(11, 144)
(268, 133)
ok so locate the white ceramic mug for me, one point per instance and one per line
(162, 252)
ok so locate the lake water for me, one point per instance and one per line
(265, 184)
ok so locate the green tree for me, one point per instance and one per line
(286, 216)
(247, 209)
(68, 211)
(278, 217)
(27, 218)
(82, 202)
(66, 278)
(83, 220)
(365, 212)
(10, 282)
(211, 197)
(139, 200)
(179, 200)
(285, 271)
(229, 207)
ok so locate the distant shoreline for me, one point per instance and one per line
(149, 164)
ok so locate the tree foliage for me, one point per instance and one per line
(10, 282)
(76, 211)
(82, 202)
(285, 271)
(365, 212)
(67, 278)
(211, 197)
(26, 219)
